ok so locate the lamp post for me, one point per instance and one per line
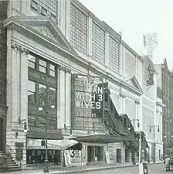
(46, 168)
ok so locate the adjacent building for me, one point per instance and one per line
(164, 92)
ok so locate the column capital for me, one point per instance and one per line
(19, 48)
(65, 69)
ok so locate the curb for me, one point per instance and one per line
(92, 169)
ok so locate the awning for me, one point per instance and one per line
(100, 138)
(51, 144)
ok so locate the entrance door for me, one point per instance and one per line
(90, 153)
(1, 134)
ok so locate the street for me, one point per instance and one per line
(153, 169)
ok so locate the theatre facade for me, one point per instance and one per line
(73, 80)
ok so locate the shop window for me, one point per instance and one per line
(31, 61)
(31, 91)
(42, 66)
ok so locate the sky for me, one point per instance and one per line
(134, 18)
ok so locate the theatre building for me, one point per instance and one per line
(72, 80)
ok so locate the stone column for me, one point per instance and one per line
(17, 89)
(68, 98)
(61, 97)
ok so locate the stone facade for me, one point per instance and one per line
(80, 44)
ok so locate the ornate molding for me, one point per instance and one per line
(19, 48)
(65, 69)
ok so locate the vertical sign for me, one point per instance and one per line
(87, 98)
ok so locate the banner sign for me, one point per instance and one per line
(87, 98)
(72, 157)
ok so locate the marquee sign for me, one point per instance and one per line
(87, 98)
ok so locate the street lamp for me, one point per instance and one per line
(46, 168)
(140, 144)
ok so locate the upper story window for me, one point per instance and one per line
(78, 29)
(31, 91)
(98, 44)
(43, 11)
(34, 5)
(42, 65)
(113, 55)
(42, 94)
(31, 61)
(130, 63)
(45, 7)
(52, 96)
(52, 70)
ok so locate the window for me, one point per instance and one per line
(31, 91)
(31, 61)
(45, 7)
(42, 66)
(78, 29)
(34, 5)
(98, 44)
(113, 55)
(52, 96)
(42, 94)
(43, 11)
(52, 70)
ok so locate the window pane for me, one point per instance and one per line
(31, 86)
(42, 66)
(42, 94)
(52, 70)
(52, 96)
(52, 67)
(52, 73)
(42, 69)
(32, 65)
(31, 97)
(32, 61)
(42, 63)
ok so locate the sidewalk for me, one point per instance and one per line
(68, 170)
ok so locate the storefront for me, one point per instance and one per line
(56, 148)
